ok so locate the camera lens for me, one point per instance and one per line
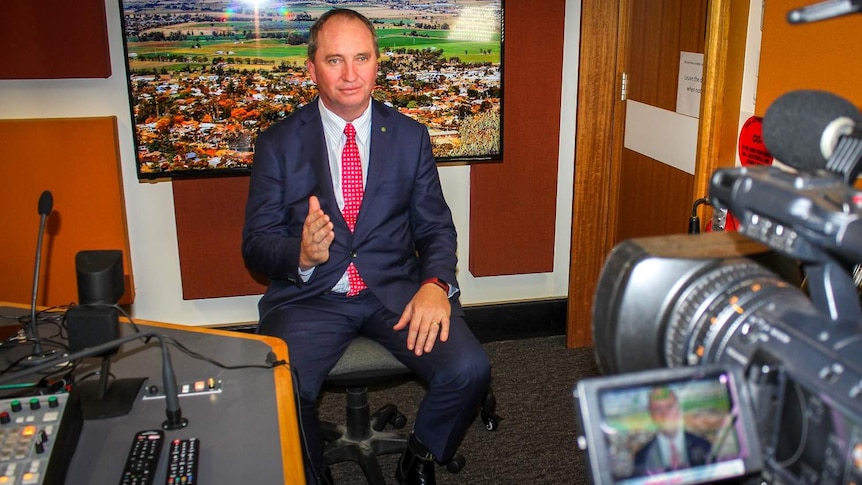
(713, 306)
(654, 311)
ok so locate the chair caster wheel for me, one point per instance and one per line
(492, 421)
(398, 420)
(456, 464)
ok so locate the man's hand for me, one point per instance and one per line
(317, 235)
(427, 315)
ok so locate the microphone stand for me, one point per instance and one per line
(172, 402)
(38, 355)
(104, 372)
(31, 327)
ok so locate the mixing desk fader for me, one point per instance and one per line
(38, 436)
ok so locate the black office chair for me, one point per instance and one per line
(362, 438)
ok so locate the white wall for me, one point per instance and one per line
(751, 66)
(150, 211)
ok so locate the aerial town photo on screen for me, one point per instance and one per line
(206, 76)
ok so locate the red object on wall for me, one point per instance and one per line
(752, 150)
(54, 39)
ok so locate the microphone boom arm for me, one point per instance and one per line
(175, 418)
(33, 333)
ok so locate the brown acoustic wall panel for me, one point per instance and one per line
(513, 203)
(210, 214)
(78, 161)
(53, 39)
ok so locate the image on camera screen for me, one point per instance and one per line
(668, 426)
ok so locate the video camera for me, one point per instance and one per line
(757, 335)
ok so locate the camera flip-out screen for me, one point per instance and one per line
(679, 425)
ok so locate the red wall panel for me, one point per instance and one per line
(53, 39)
(513, 203)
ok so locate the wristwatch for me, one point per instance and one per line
(437, 281)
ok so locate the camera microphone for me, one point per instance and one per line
(824, 10)
(803, 129)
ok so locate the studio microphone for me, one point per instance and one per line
(46, 204)
(823, 11)
(812, 130)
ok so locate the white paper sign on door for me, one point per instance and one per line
(690, 84)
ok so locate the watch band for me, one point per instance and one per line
(437, 281)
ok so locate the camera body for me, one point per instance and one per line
(667, 308)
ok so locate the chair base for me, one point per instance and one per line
(363, 438)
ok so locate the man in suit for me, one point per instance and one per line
(673, 448)
(301, 234)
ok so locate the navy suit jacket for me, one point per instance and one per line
(648, 459)
(404, 232)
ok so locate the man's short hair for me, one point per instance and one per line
(661, 393)
(338, 12)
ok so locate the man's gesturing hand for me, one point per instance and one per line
(317, 235)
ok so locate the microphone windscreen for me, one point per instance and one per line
(795, 123)
(824, 10)
(46, 203)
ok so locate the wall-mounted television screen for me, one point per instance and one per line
(206, 76)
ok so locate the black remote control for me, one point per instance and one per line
(183, 462)
(143, 458)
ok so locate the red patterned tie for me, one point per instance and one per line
(674, 457)
(351, 188)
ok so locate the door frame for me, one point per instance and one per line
(599, 128)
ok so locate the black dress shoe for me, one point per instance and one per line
(416, 466)
(325, 478)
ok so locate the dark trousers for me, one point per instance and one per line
(317, 332)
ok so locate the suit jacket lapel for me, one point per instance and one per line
(378, 161)
(314, 150)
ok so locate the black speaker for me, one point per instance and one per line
(100, 276)
(89, 326)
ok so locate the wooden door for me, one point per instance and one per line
(618, 195)
(654, 197)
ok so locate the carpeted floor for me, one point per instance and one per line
(535, 444)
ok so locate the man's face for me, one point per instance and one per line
(344, 66)
(665, 413)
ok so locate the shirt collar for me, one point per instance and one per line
(336, 124)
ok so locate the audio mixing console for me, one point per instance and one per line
(38, 436)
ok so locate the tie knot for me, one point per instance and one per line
(349, 130)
